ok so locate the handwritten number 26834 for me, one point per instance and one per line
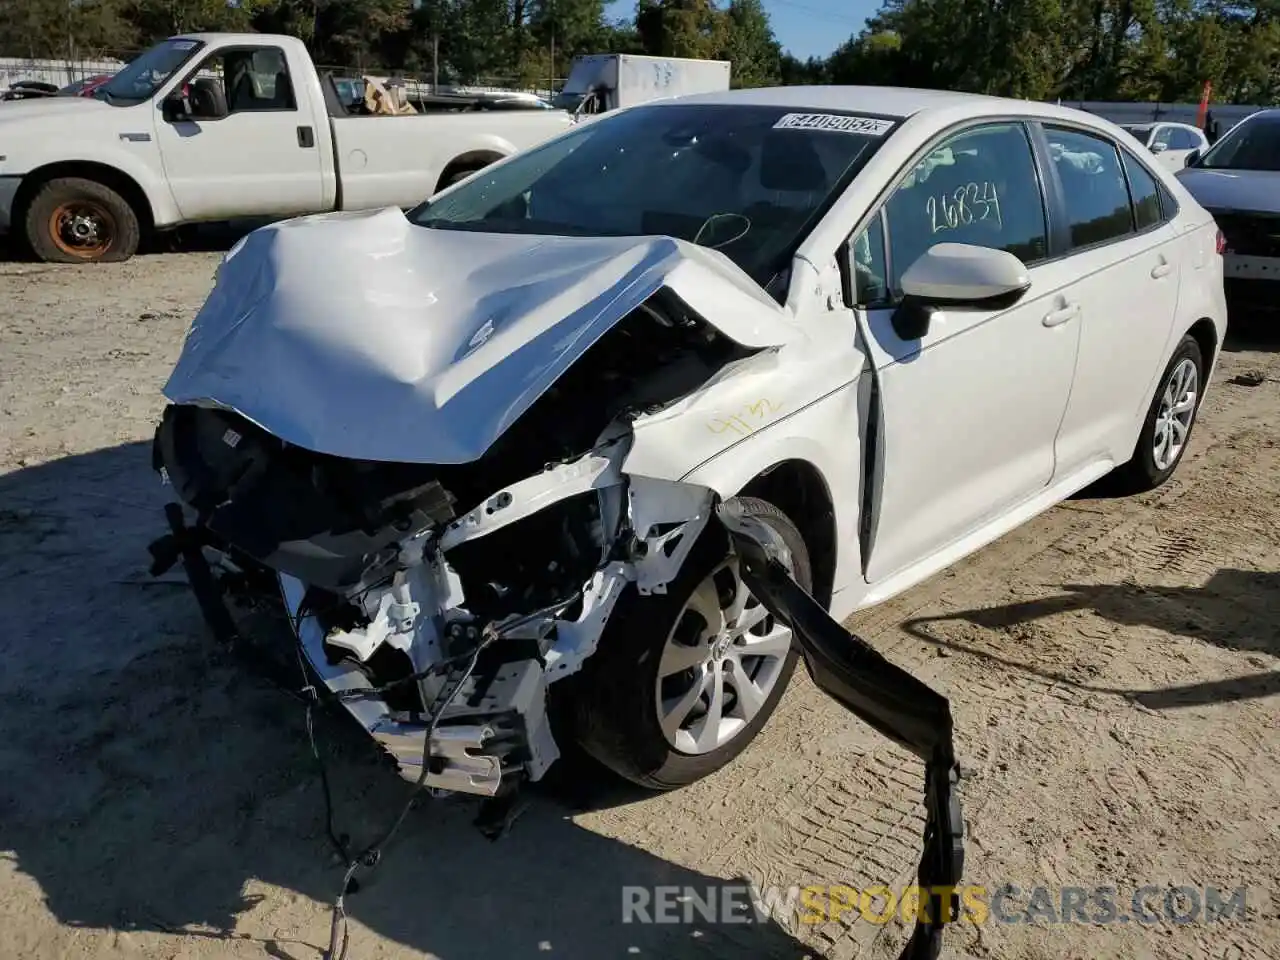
(965, 204)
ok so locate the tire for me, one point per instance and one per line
(1146, 471)
(454, 176)
(73, 220)
(614, 700)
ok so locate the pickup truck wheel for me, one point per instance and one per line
(451, 177)
(682, 682)
(1167, 428)
(72, 220)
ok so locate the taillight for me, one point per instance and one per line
(1222, 243)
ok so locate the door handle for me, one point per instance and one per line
(1061, 315)
(306, 137)
(1161, 269)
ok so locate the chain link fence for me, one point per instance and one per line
(60, 73)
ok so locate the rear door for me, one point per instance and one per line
(967, 415)
(1124, 250)
(250, 150)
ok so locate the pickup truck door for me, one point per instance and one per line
(965, 416)
(244, 147)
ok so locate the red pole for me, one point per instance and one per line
(1204, 104)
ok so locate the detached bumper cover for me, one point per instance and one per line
(883, 695)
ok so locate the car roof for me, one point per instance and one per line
(886, 101)
(901, 102)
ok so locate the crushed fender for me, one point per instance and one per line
(901, 707)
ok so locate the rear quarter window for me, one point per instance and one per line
(1144, 193)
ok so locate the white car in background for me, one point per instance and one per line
(890, 325)
(1172, 143)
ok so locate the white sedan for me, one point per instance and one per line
(891, 325)
(1172, 143)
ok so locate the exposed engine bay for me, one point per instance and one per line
(391, 571)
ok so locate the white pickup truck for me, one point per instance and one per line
(219, 126)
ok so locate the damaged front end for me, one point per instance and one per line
(392, 572)
(441, 500)
(492, 732)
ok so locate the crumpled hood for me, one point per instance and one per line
(1255, 191)
(363, 336)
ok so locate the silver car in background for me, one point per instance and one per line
(1238, 181)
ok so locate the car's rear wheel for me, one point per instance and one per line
(1170, 419)
(683, 681)
(458, 174)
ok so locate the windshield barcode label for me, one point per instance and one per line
(835, 122)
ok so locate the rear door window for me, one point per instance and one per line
(1095, 191)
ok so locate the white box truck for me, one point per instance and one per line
(608, 81)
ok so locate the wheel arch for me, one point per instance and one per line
(799, 489)
(472, 160)
(109, 176)
(1205, 333)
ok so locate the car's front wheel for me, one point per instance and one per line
(682, 682)
(73, 220)
(1167, 428)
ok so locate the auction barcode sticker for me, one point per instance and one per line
(835, 122)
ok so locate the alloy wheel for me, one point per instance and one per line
(719, 664)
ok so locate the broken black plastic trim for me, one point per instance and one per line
(883, 695)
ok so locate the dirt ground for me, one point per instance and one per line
(1113, 668)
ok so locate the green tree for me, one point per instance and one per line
(750, 46)
(570, 27)
(794, 71)
(681, 28)
(156, 19)
(58, 28)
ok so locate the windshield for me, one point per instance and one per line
(1140, 131)
(1252, 145)
(746, 180)
(139, 80)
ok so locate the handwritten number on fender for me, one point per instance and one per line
(967, 203)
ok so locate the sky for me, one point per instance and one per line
(804, 27)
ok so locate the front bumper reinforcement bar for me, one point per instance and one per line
(903, 708)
